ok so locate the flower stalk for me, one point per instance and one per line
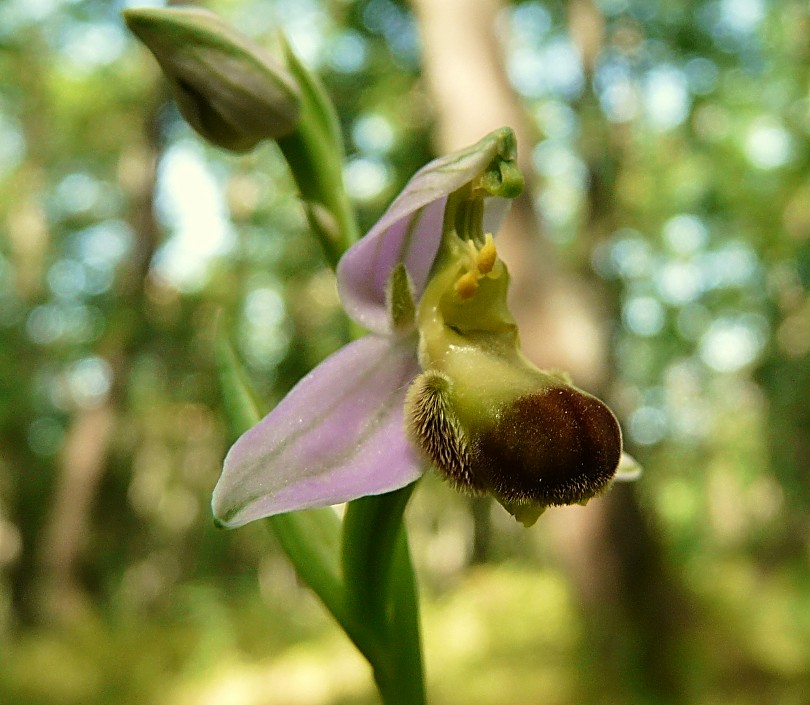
(314, 150)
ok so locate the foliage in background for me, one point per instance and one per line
(678, 176)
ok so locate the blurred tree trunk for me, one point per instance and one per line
(630, 606)
(84, 458)
(81, 466)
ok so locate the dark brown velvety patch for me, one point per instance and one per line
(558, 446)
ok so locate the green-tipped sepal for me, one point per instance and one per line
(227, 87)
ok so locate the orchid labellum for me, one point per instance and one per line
(439, 380)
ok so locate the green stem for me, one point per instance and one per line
(370, 529)
(381, 591)
(314, 151)
(300, 543)
(405, 682)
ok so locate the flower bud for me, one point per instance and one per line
(228, 88)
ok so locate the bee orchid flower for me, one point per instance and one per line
(438, 380)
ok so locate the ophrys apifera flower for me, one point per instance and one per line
(440, 378)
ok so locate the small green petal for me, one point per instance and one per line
(399, 299)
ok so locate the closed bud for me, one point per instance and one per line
(228, 88)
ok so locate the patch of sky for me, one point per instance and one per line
(645, 11)
(702, 75)
(556, 161)
(66, 279)
(397, 26)
(89, 381)
(768, 145)
(643, 316)
(79, 192)
(404, 43)
(666, 97)
(529, 22)
(103, 245)
(733, 342)
(98, 281)
(348, 52)
(142, 3)
(732, 24)
(734, 264)
(265, 340)
(44, 324)
(618, 93)
(647, 425)
(553, 68)
(63, 322)
(15, 14)
(556, 119)
(12, 144)
(685, 234)
(366, 178)
(559, 204)
(191, 204)
(89, 45)
(679, 283)
(526, 69)
(630, 255)
(255, 19)
(380, 16)
(566, 176)
(740, 17)
(613, 7)
(306, 25)
(264, 307)
(373, 134)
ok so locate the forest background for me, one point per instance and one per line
(661, 253)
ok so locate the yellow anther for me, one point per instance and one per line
(466, 285)
(487, 255)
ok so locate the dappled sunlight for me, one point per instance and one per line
(506, 615)
(665, 149)
(309, 674)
